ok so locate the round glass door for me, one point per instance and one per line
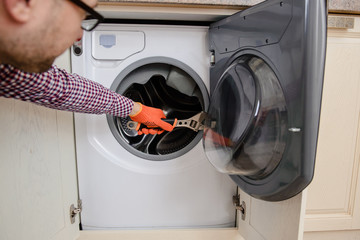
(246, 127)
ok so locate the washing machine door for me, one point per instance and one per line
(266, 85)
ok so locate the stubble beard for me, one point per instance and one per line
(32, 51)
(26, 54)
(37, 49)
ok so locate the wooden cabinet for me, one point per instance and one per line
(38, 169)
(333, 199)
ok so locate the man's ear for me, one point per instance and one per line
(18, 10)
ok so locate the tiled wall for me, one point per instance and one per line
(345, 5)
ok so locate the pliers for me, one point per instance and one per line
(195, 123)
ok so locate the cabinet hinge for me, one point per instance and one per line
(75, 211)
(241, 207)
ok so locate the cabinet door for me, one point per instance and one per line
(334, 195)
(272, 220)
(37, 172)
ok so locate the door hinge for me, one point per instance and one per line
(212, 58)
(75, 211)
(241, 207)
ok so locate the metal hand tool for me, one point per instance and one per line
(195, 123)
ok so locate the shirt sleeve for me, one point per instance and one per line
(61, 90)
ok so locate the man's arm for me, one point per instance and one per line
(61, 90)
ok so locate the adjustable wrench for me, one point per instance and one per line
(195, 123)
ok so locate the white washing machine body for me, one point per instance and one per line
(120, 190)
(266, 67)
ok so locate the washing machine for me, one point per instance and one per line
(257, 74)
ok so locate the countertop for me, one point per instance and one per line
(335, 6)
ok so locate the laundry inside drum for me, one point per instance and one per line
(178, 95)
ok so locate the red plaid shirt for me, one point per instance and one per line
(61, 90)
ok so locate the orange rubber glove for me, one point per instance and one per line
(150, 131)
(218, 139)
(151, 117)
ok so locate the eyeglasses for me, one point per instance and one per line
(93, 18)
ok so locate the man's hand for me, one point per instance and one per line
(151, 117)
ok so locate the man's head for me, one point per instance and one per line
(34, 32)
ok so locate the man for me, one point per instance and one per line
(32, 34)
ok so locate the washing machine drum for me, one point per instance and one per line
(157, 93)
(177, 90)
